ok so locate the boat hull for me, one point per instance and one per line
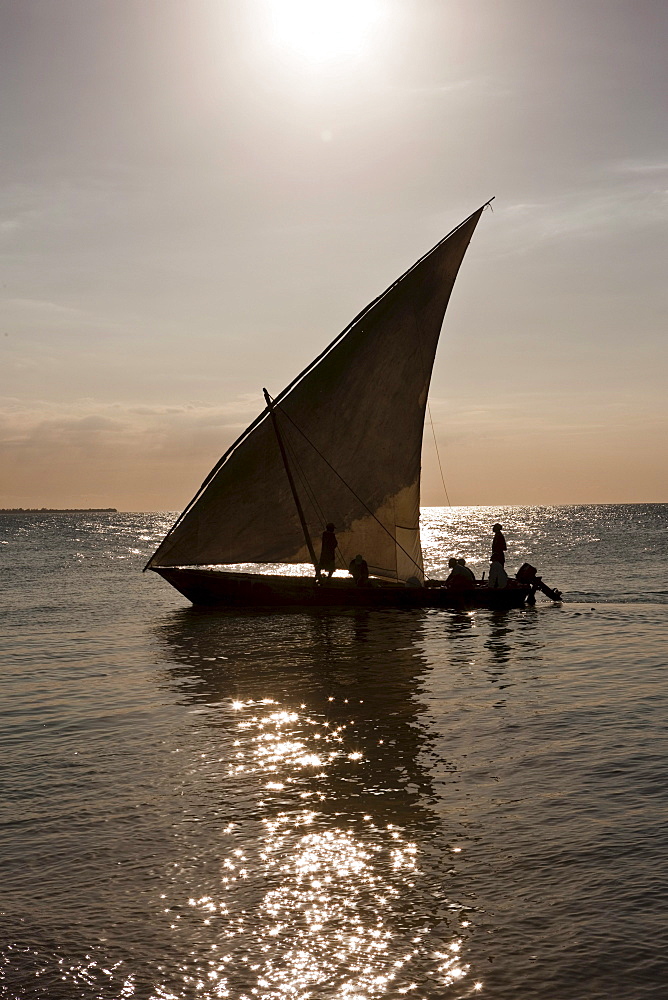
(214, 587)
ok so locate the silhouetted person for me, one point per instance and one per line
(468, 573)
(460, 576)
(328, 549)
(359, 570)
(498, 578)
(498, 544)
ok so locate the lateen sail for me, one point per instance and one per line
(352, 424)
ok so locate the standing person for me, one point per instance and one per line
(498, 544)
(327, 563)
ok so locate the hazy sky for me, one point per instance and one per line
(197, 196)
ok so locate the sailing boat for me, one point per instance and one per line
(341, 443)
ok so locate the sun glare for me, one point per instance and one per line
(318, 30)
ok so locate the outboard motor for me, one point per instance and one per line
(527, 574)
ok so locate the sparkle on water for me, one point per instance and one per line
(331, 890)
(322, 805)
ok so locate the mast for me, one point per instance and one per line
(295, 495)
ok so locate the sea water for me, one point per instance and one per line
(346, 804)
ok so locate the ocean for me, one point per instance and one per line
(321, 804)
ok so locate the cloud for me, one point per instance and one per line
(101, 428)
(634, 203)
(555, 413)
(43, 305)
(641, 167)
(135, 457)
(135, 415)
(454, 86)
(140, 457)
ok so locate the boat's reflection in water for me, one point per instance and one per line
(318, 862)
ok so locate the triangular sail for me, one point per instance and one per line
(352, 425)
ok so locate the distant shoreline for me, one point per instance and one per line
(58, 510)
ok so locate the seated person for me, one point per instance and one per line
(498, 578)
(460, 576)
(470, 575)
(359, 570)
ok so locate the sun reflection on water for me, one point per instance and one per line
(318, 904)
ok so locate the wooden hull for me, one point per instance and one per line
(215, 587)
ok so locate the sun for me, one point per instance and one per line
(318, 30)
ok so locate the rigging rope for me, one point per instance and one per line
(438, 456)
(427, 378)
(349, 487)
(310, 493)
